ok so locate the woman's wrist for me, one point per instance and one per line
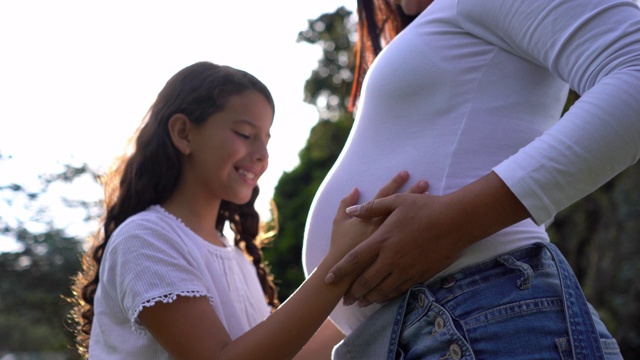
(485, 207)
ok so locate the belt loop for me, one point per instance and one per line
(510, 261)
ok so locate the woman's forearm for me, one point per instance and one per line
(483, 208)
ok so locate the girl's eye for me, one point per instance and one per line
(242, 135)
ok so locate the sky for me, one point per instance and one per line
(77, 77)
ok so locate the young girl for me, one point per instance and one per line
(163, 281)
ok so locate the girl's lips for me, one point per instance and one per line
(249, 176)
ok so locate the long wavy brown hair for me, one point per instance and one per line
(148, 174)
(379, 21)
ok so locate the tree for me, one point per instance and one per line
(296, 190)
(329, 86)
(36, 280)
(33, 292)
(328, 89)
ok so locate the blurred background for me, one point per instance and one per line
(50, 205)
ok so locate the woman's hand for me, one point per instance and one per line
(421, 235)
(348, 231)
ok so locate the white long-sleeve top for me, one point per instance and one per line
(477, 86)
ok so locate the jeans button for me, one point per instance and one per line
(455, 352)
(448, 282)
(439, 324)
(421, 300)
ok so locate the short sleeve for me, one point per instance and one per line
(146, 263)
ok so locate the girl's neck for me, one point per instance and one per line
(198, 215)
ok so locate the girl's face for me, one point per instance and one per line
(413, 7)
(229, 151)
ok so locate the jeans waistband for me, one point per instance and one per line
(525, 260)
(584, 336)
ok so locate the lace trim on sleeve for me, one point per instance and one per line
(139, 329)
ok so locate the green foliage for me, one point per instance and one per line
(328, 89)
(329, 86)
(33, 292)
(295, 190)
(35, 281)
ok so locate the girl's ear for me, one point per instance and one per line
(179, 130)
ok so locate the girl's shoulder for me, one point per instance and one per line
(153, 217)
(152, 225)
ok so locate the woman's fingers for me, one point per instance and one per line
(356, 260)
(386, 290)
(380, 204)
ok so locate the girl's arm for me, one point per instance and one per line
(321, 345)
(189, 328)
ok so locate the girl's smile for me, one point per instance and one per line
(229, 151)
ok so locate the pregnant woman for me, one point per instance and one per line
(469, 95)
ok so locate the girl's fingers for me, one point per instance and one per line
(347, 201)
(419, 188)
(392, 186)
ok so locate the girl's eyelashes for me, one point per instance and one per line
(242, 135)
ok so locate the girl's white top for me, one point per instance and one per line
(473, 86)
(153, 257)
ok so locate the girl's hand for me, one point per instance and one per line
(349, 231)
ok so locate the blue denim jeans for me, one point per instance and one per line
(525, 304)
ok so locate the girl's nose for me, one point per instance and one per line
(260, 152)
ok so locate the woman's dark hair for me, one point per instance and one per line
(149, 173)
(379, 21)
